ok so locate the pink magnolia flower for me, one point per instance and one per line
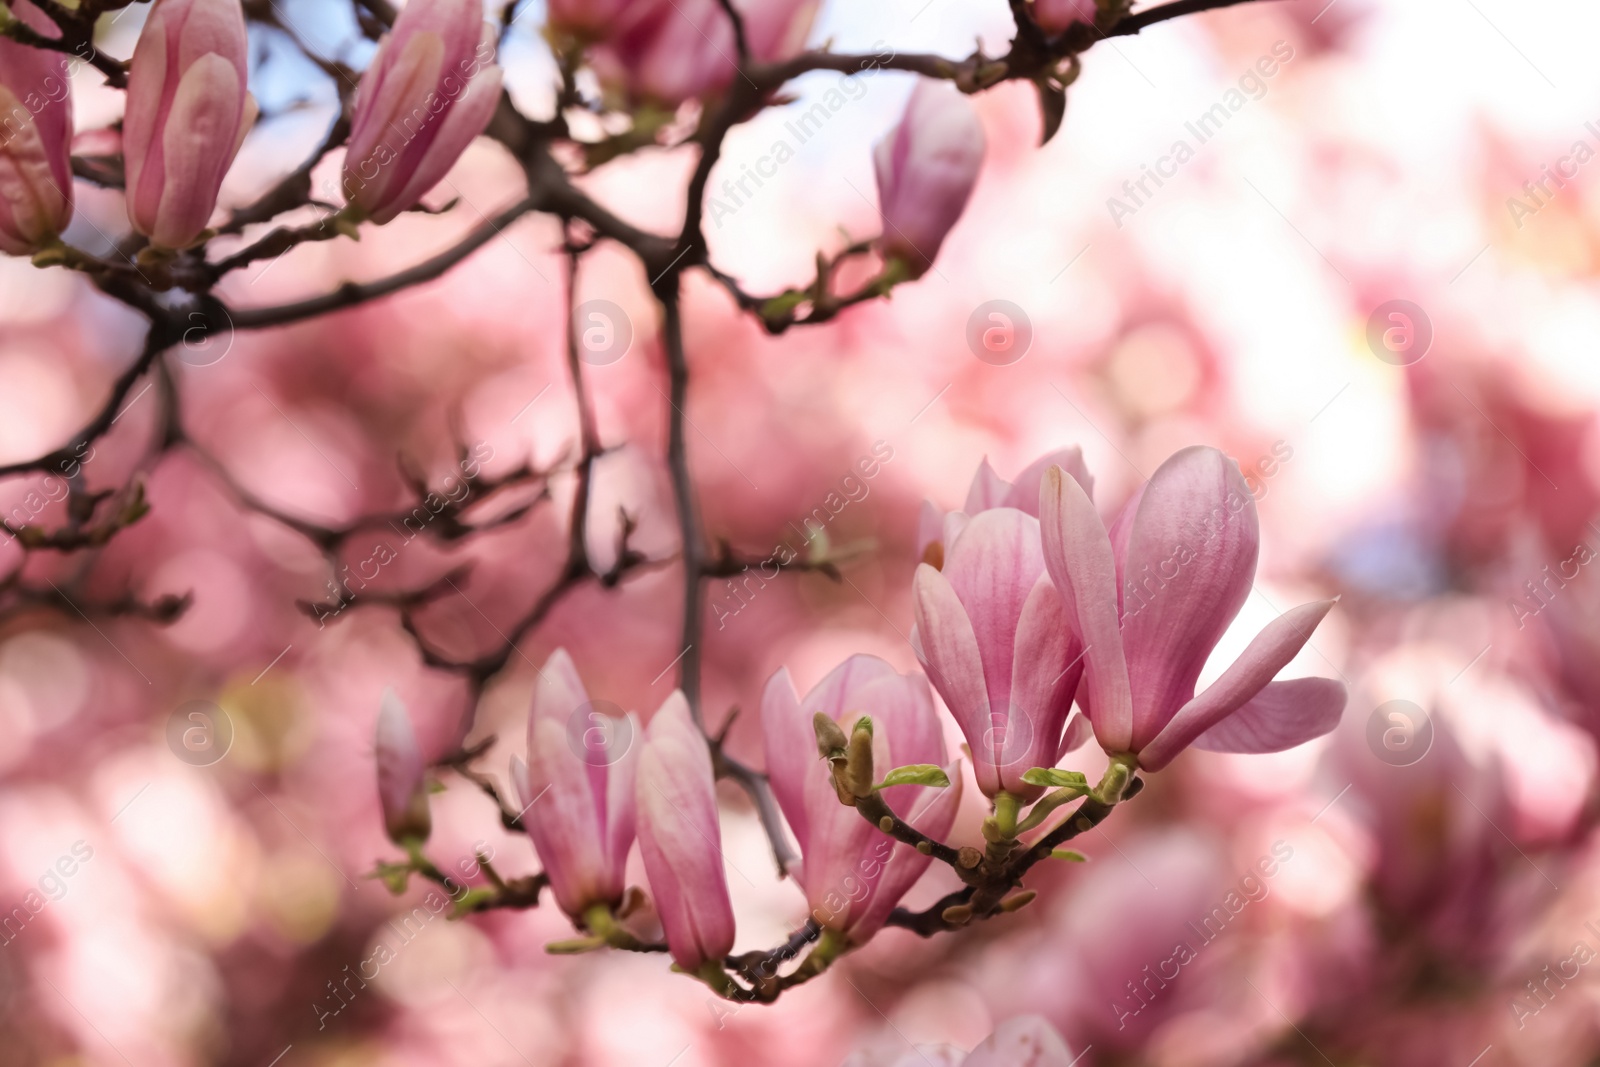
(188, 113)
(680, 838)
(1054, 16)
(402, 787)
(852, 873)
(993, 633)
(926, 169)
(667, 51)
(430, 90)
(579, 799)
(35, 142)
(989, 490)
(1151, 599)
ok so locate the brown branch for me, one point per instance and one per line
(156, 341)
(351, 294)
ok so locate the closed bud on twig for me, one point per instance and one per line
(926, 169)
(431, 89)
(858, 771)
(1018, 901)
(831, 740)
(402, 787)
(188, 113)
(681, 840)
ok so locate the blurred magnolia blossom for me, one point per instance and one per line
(926, 168)
(664, 52)
(1053, 16)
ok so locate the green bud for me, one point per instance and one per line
(858, 771)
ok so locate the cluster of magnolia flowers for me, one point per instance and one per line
(430, 90)
(1025, 604)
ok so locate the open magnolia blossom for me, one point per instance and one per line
(852, 874)
(1150, 598)
(1028, 605)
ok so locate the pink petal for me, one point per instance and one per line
(563, 821)
(620, 801)
(1281, 716)
(948, 648)
(1076, 735)
(933, 814)
(1190, 563)
(465, 119)
(680, 839)
(1024, 492)
(790, 746)
(1278, 643)
(375, 166)
(834, 695)
(1044, 677)
(987, 491)
(906, 731)
(1078, 555)
(205, 114)
(926, 170)
(993, 567)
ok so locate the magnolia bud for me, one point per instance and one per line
(430, 90)
(188, 112)
(926, 169)
(35, 142)
(402, 786)
(680, 838)
(831, 740)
